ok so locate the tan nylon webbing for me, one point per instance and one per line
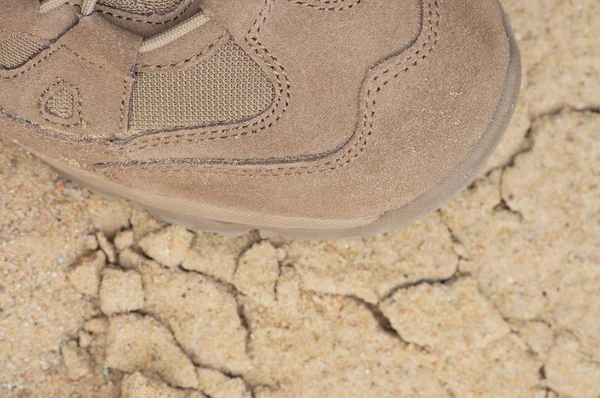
(16, 50)
(226, 88)
(61, 104)
(142, 6)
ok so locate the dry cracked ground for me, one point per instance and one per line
(495, 295)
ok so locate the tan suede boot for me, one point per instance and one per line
(310, 118)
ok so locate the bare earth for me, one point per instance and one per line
(496, 295)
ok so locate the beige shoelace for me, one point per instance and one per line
(149, 44)
(87, 7)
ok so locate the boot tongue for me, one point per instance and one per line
(147, 18)
(143, 7)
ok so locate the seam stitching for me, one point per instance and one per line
(48, 55)
(327, 8)
(44, 96)
(126, 90)
(36, 63)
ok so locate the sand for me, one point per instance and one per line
(495, 295)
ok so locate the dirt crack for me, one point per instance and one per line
(383, 321)
(246, 325)
(527, 146)
(233, 290)
(430, 281)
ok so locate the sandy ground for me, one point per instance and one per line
(496, 295)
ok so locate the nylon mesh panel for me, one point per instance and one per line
(226, 88)
(61, 104)
(16, 50)
(142, 7)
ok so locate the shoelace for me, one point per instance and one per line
(87, 7)
(149, 44)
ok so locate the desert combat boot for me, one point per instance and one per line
(309, 118)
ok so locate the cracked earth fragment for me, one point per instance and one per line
(85, 276)
(217, 385)
(257, 273)
(121, 291)
(216, 255)
(129, 258)
(570, 372)
(107, 247)
(136, 342)
(502, 369)
(167, 246)
(77, 361)
(446, 318)
(93, 339)
(109, 216)
(202, 314)
(560, 67)
(370, 268)
(321, 353)
(123, 239)
(143, 224)
(96, 325)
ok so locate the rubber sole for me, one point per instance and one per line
(186, 213)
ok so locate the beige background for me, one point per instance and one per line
(496, 295)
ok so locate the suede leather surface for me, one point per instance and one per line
(96, 58)
(21, 16)
(79, 154)
(317, 60)
(54, 23)
(380, 100)
(17, 16)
